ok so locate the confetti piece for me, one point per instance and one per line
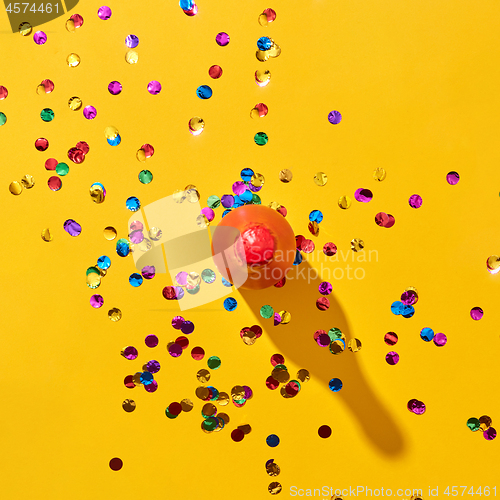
(115, 464)
(222, 39)
(392, 358)
(476, 313)
(215, 72)
(335, 384)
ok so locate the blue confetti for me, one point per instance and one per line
(225, 282)
(115, 141)
(397, 307)
(122, 247)
(246, 196)
(316, 216)
(204, 92)
(427, 334)
(230, 304)
(146, 378)
(264, 43)
(272, 440)
(335, 384)
(135, 280)
(246, 174)
(133, 204)
(407, 311)
(103, 262)
(225, 212)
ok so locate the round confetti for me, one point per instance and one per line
(490, 434)
(96, 301)
(133, 204)
(329, 249)
(47, 115)
(115, 314)
(135, 279)
(154, 87)
(25, 29)
(363, 195)
(145, 176)
(261, 139)
(222, 39)
(204, 92)
(237, 435)
(427, 334)
(215, 71)
(39, 37)
(115, 88)
(73, 60)
(415, 201)
(131, 57)
(392, 358)
(115, 464)
(334, 117)
(357, 245)
(440, 339)
(62, 169)
(322, 303)
(379, 174)
(129, 353)
(452, 178)
(3, 92)
(473, 424)
(272, 440)
(41, 144)
(110, 233)
(476, 313)
(335, 384)
(104, 13)
(230, 304)
(325, 431)
(197, 353)
(196, 125)
(390, 338)
(325, 288)
(132, 41)
(75, 103)
(320, 179)
(16, 188)
(213, 362)
(54, 183)
(89, 112)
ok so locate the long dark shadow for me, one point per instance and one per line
(295, 341)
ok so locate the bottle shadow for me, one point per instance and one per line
(295, 341)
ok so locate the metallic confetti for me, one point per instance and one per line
(215, 71)
(115, 314)
(46, 235)
(72, 227)
(335, 384)
(344, 202)
(222, 39)
(452, 178)
(379, 174)
(392, 358)
(357, 245)
(104, 13)
(415, 201)
(476, 313)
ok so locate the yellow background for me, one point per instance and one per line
(417, 85)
